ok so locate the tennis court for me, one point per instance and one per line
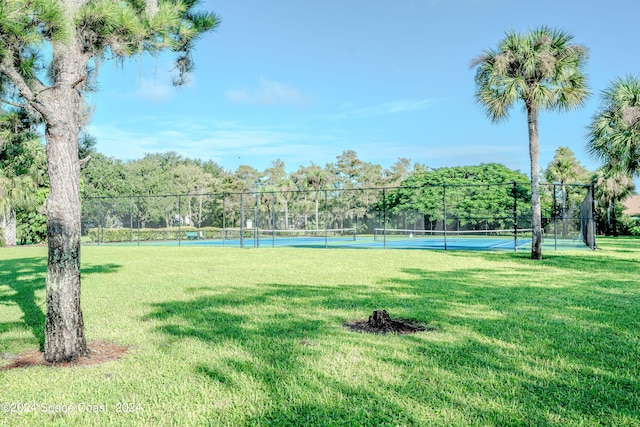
(279, 238)
(473, 216)
(440, 239)
(508, 240)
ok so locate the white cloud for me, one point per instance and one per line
(268, 93)
(388, 108)
(153, 90)
(227, 143)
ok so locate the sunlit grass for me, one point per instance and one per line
(225, 336)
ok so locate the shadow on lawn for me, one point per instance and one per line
(567, 348)
(587, 262)
(510, 351)
(280, 343)
(25, 277)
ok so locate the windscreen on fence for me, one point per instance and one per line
(479, 216)
(587, 220)
(568, 215)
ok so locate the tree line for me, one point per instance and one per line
(160, 174)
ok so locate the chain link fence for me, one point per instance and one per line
(339, 217)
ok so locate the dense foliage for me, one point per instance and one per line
(475, 197)
(614, 132)
(23, 180)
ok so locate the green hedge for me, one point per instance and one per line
(149, 234)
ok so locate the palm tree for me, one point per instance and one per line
(311, 179)
(564, 169)
(614, 133)
(316, 179)
(611, 187)
(286, 188)
(544, 70)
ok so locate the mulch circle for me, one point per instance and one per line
(380, 323)
(99, 352)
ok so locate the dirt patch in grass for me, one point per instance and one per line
(99, 352)
(381, 323)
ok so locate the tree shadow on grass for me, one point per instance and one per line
(276, 345)
(511, 350)
(587, 262)
(564, 347)
(24, 278)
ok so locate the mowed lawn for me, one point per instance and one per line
(233, 337)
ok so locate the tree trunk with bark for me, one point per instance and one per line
(67, 40)
(64, 326)
(8, 227)
(534, 152)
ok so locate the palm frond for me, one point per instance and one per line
(614, 132)
(541, 68)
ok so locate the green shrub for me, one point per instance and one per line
(107, 235)
(32, 228)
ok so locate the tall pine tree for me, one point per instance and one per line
(48, 50)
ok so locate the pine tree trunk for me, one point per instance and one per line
(64, 326)
(534, 152)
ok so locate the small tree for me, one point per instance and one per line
(48, 51)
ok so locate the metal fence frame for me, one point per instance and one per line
(247, 212)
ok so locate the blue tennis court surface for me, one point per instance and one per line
(451, 243)
(381, 238)
(362, 241)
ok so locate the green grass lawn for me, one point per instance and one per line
(226, 336)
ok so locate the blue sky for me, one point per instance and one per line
(302, 81)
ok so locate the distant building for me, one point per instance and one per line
(632, 205)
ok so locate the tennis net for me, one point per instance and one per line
(454, 238)
(342, 233)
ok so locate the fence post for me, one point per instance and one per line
(99, 221)
(179, 220)
(224, 219)
(241, 222)
(326, 220)
(444, 205)
(138, 220)
(515, 216)
(384, 218)
(273, 219)
(130, 222)
(555, 219)
(256, 236)
(593, 245)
